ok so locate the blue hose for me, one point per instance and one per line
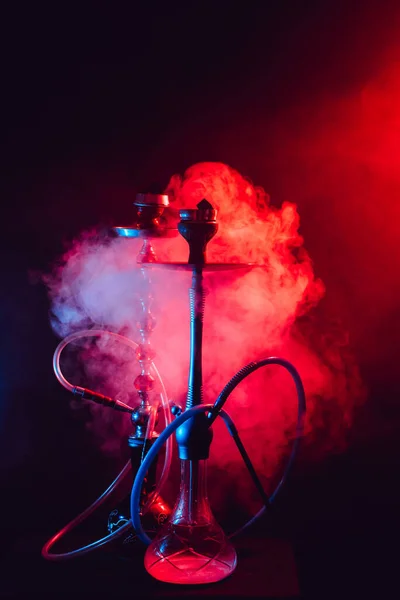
(214, 411)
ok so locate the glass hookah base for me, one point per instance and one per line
(190, 555)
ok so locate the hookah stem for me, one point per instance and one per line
(197, 301)
(195, 385)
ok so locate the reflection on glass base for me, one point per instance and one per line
(190, 568)
(186, 556)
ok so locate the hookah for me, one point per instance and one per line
(190, 547)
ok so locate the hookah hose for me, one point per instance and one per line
(165, 437)
(126, 469)
(214, 411)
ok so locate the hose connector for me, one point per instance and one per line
(140, 417)
(86, 394)
(194, 438)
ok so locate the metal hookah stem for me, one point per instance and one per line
(197, 304)
(197, 226)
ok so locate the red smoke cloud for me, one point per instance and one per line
(249, 315)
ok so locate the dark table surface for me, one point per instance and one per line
(322, 566)
(266, 569)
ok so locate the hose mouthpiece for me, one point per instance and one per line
(86, 394)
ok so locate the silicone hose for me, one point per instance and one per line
(126, 469)
(214, 411)
(84, 515)
(128, 342)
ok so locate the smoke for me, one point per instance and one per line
(256, 314)
(342, 162)
(250, 314)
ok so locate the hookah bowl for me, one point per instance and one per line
(192, 548)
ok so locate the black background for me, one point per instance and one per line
(98, 103)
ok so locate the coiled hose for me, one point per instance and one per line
(126, 469)
(214, 411)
